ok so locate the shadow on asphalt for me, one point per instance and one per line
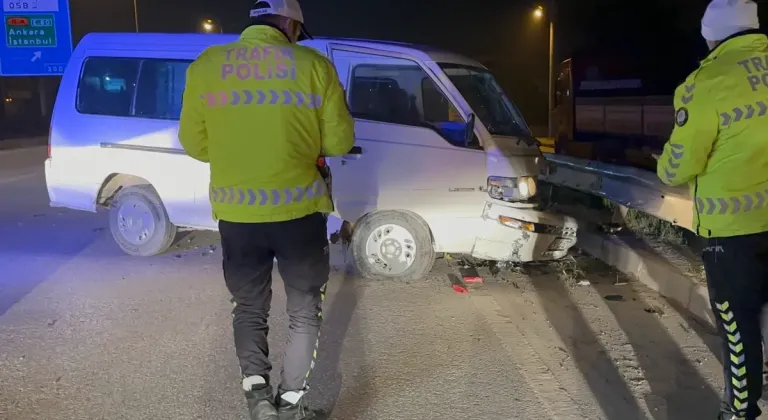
(337, 326)
(590, 356)
(677, 389)
(37, 240)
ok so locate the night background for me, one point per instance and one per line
(502, 34)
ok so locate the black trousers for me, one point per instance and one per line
(301, 249)
(737, 276)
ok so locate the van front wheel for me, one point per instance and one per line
(392, 245)
(139, 223)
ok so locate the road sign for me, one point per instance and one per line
(38, 37)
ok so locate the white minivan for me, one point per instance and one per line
(443, 160)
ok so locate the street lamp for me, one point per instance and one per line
(209, 26)
(136, 14)
(538, 13)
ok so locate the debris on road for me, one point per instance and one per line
(457, 285)
(570, 270)
(470, 275)
(460, 289)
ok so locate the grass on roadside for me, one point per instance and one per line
(652, 227)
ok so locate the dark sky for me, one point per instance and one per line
(500, 33)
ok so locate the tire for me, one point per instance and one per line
(410, 235)
(153, 233)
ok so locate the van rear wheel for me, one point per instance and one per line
(392, 245)
(139, 223)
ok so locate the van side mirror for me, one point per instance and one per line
(469, 129)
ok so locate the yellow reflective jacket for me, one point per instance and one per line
(262, 110)
(720, 142)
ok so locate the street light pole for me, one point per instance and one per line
(136, 14)
(550, 16)
(551, 90)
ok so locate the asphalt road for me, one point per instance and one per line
(89, 333)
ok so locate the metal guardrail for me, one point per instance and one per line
(631, 187)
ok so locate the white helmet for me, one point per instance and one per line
(286, 8)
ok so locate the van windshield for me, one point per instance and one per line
(478, 86)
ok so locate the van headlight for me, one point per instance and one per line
(511, 189)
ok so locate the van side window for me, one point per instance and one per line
(132, 87)
(160, 89)
(399, 91)
(107, 86)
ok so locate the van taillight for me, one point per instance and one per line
(321, 162)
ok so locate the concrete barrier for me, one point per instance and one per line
(650, 269)
(22, 143)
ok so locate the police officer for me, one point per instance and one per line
(261, 110)
(720, 148)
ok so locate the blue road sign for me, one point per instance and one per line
(38, 38)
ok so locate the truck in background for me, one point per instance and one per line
(615, 109)
(612, 113)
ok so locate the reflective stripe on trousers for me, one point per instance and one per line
(737, 276)
(312, 363)
(735, 359)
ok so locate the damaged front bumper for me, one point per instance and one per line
(522, 235)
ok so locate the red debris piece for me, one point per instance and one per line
(470, 275)
(460, 289)
(457, 285)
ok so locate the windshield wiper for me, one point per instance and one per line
(528, 139)
(520, 134)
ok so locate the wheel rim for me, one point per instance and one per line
(135, 222)
(390, 249)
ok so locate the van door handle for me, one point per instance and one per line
(354, 153)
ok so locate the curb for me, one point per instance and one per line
(23, 143)
(646, 267)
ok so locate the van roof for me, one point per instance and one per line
(132, 43)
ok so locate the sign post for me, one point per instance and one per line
(38, 38)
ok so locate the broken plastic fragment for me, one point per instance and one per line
(460, 289)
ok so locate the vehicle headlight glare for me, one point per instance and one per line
(511, 189)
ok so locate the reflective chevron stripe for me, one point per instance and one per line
(688, 96)
(317, 343)
(743, 113)
(736, 356)
(266, 197)
(262, 97)
(733, 205)
(676, 153)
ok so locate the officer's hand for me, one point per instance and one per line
(655, 156)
